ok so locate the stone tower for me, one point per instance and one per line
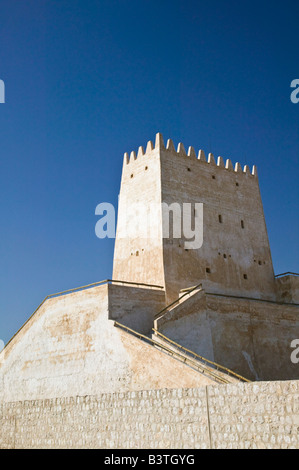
(234, 257)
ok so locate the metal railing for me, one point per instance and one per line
(177, 301)
(195, 365)
(287, 274)
(76, 289)
(105, 281)
(201, 358)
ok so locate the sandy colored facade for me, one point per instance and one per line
(251, 337)
(71, 347)
(263, 415)
(174, 317)
(235, 256)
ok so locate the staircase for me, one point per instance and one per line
(213, 371)
(209, 368)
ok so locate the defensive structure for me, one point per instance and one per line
(234, 257)
(193, 306)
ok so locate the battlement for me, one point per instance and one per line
(200, 157)
(234, 257)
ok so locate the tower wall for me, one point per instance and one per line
(138, 254)
(234, 257)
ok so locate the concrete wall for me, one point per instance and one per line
(250, 337)
(71, 347)
(260, 415)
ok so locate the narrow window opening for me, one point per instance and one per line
(214, 177)
(146, 168)
(242, 223)
(208, 270)
(237, 184)
(220, 218)
(132, 175)
(245, 276)
(224, 255)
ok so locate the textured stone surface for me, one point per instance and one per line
(235, 246)
(256, 415)
(89, 384)
(71, 347)
(251, 337)
(287, 288)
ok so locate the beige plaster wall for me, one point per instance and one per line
(135, 307)
(236, 251)
(229, 251)
(287, 288)
(138, 245)
(70, 347)
(250, 337)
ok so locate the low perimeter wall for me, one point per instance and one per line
(254, 415)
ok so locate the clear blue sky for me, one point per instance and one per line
(88, 80)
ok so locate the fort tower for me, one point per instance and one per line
(235, 256)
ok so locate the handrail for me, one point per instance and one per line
(287, 273)
(105, 281)
(188, 291)
(76, 289)
(218, 366)
(182, 358)
(252, 298)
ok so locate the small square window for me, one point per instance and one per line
(208, 270)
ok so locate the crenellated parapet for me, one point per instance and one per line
(190, 154)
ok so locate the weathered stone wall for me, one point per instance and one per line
(138, 255)
(250, 337)
(235, 255)
(135, 307)
(287, 288)
(256, 415)
(71, 347)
